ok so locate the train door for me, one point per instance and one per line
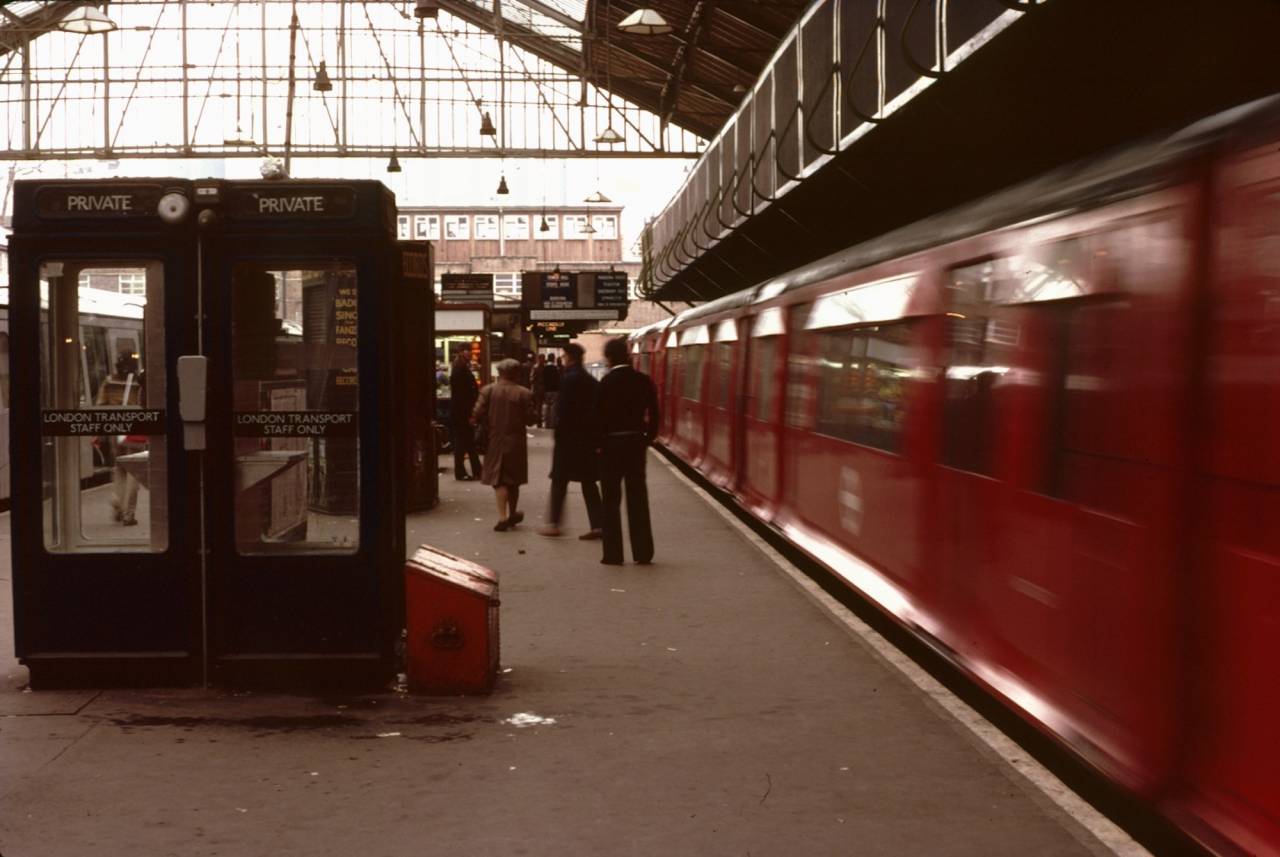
(761, 431)
(720, 407)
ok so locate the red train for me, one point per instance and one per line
(1043, 432)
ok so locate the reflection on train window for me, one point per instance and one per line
(723, 373)
(763, 361)
(691, 360)
(799, 362)
(295, 389)
(863, 375)
(980, 346)
(104, 457)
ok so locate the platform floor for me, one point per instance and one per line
(705, 705)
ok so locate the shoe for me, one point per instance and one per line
(129, 521)
(644, 562)
(515, 519)
(550, 531)
(591, 536)
(611, 562)
(502, 526)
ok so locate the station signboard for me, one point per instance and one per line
(582, 296)
(466, 288)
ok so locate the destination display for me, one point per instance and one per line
(295, 424)
(467, 288)
(581, 296)
(99, 422)
(99, 201)
(291, 200)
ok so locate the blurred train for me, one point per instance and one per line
(110, 325)
(1043, 433)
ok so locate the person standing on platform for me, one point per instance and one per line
(463, 391)
(537, 386)
(628, 419)
(576, 441)
(550, 390)
(505, 407)
(123, 390)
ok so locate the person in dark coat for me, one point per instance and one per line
(550, 390)
(463, 392)
(573, 458)
(627, 408)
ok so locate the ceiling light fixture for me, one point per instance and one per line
(393, 165)
(645, 22)
(87, 21)
(609, 137)
(426, 8)
(597, 196)
(322, 84)
(587, 228)
(502, 185)
(486, 126)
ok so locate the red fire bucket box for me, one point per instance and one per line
(451, 614)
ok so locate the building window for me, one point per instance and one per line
(402, 227)
(606, 225)
(486, 227)
(133, 283)
(553, 228)
(426, 227)
(507, 284)
(573, 226)
(516, 227)
(457, 227)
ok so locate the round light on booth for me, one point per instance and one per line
(173, 207)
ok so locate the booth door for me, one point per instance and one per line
(102, 566)
(292, 559)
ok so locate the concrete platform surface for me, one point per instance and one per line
(704, 705)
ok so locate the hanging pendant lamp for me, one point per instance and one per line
(645, 22)
(322, 83)
(426, 8)
(87, 21)
(597, 197)
(609, 137)
(587, 228)
(393, 165)
(502, 185)
(486, 126)
(545, 227)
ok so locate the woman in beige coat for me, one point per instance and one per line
(505, 407)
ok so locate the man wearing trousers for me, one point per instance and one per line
(576, 441)
(628, 416)
(463, 393)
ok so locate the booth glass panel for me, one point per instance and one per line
(104, 460)
(296, 397)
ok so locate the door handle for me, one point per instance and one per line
(193, 396)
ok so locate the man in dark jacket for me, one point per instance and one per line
(576, 439)
(628, 414)
(463, 393)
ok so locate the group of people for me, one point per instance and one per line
(601, 431)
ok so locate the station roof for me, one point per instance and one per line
(694, 77)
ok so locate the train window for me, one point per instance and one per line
(691, 381)
(980, 343)
(103, 455)
(295, 397)
(863, 374)
(799, 363)
(764, 361)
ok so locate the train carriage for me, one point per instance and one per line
(1040, 432)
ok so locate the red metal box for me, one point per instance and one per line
(451, 613)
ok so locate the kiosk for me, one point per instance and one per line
(253, 528)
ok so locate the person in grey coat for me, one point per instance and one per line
(505, 407)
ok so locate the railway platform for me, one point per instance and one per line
(713, 703)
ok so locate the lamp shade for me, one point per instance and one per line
(486, 126)
(609, 137)
(87, 20)
(597, 196)
(322, 82)
(426, 8)
(502, 185)
(587, 228)
(393, 165)
(645, 22)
